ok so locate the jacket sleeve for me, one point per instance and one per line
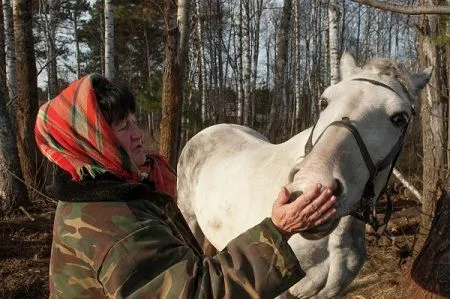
(153, 262)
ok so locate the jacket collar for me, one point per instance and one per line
(105, 187)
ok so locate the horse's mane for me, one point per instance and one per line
(398, 72)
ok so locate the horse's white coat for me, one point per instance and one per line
(229, 175)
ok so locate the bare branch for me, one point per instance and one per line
(407, 184)
(409, 10)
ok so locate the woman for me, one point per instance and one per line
(117, 230)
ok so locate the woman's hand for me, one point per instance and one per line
(312, 208)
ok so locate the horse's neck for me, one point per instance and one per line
(296, 144)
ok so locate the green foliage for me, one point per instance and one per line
(150, 98)
(138, 42)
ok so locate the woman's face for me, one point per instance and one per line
(130, 137)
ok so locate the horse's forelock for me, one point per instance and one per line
(398, 72)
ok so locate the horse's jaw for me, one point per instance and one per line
(320, 231)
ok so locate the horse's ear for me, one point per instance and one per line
(348, 66)
(419, 80)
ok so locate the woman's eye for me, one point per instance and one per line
(121, 126)
(323, 103)
(400, 119)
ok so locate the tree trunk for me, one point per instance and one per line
(201, 63)
(358, 35)
(432, 114)
(256, 38)
(239, 66)
(297, 68)
(246, 62)
(11, 72)
(13, 188)
(333, 18)
(77, 45)
(367, 42)
(173, 78)
(30, 157)
(102, 39)
(279, 100)
(219, 103)
(3, 83)
(429, 276)
(50, 34)
(109, 40)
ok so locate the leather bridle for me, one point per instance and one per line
(367, 211)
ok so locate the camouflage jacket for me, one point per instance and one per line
(115, 239)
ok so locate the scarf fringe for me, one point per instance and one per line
(91, 170)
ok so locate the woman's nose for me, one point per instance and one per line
(137, 132)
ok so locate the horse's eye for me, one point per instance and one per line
(323, 103)
(400, 119)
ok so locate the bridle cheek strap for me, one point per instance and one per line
(366, 210)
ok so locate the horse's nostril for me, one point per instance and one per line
(293, 196)
(338, 188)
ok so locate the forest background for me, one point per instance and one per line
(191, 64)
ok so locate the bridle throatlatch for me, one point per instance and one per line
(367, 210)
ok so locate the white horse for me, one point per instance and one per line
(229, 175)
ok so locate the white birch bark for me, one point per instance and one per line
(367, 39)
(432, 118)
(297, 69)
(257, 30)
(268, 60)
(246, 62)
(11, 73)
(201, 62)
(315, 13)
(183, 13)
(109, 40)
(48, 17)
(77, 44)
(333, 19)
(407, 184)
(240, 103)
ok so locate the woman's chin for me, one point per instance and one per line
(139, 159)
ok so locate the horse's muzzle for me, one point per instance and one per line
(320, 231)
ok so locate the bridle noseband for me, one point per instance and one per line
(366, 212)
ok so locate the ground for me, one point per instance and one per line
(25, 251)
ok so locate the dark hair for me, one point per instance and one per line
(115, 102)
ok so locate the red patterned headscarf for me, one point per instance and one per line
(159, 171)
(71, 132)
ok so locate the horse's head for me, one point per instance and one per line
(357, 138)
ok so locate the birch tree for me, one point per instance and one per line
(3, 84)
(13, 187)
(109, 40)
(257, 24)
(49, 19)
(30, 157)
(333, 19)
(238, 70)
(246, 62)
(201, 61)
(75, 16)
(11, 73)
(432, 112)
(296, 126)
